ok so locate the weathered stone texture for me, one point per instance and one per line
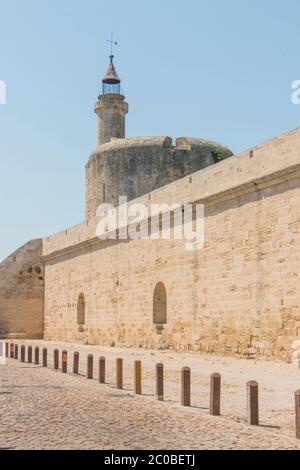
(238, 295)
(111, 110)
(22, 292)
(133, 167)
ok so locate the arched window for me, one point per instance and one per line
(160, 305)
(81, 310)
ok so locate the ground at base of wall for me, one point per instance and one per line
(45, 409)
(277, 381)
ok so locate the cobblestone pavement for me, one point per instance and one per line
(45, 409)
(277, 381)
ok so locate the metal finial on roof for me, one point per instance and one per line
(111, 83)
(112, 43)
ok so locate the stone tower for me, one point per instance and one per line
(111, 108)
(132, 167)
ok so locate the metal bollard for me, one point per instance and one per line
(76, 363)
(56, 359)
(138, 377)
(29, 355)
(215, 394)
(119, 371)
(37, 356)
(22, 353)
(64, 361)
(186, 386)
(102, 370)
(160, 381)
(297, 408)
(90, 366)
(45, 357)
(252, 403)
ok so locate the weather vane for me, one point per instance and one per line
(112, 43)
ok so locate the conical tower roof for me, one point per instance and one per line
(111, 77)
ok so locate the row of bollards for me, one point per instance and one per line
(12, 351)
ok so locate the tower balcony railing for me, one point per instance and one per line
(111, 89)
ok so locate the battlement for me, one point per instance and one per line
(189, 143)
(181, 143)
(132, 143)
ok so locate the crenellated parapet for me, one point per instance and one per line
(136, 166)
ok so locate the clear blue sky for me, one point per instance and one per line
(217, 69)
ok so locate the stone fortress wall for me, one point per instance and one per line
(22, 293)
(238, 295)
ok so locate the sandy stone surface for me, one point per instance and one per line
(44, 409)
